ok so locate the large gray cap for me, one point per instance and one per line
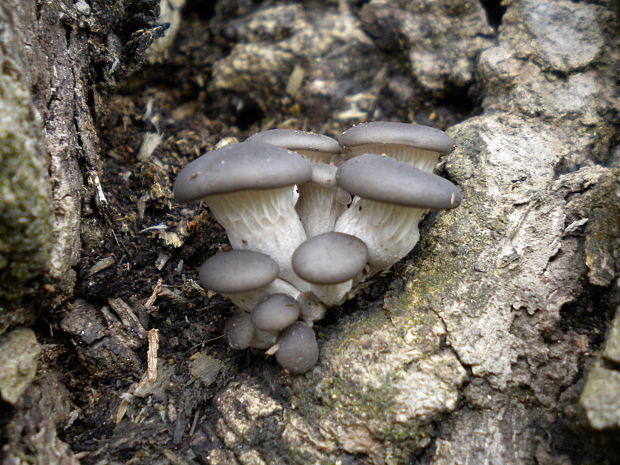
(383, 132)
(233, 168)
(238, 271)
(275, 313)
(297, 140)
(330, 258)
(384, 179)
(298, 350)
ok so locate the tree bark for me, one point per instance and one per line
(475, 349)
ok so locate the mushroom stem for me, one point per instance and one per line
(318, 208)
(390, 231)
(263, 220)
(332, 294)
(318, 205)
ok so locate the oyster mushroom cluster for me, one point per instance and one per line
(309, 218)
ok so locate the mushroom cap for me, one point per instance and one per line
(384, 179)
(238, 271)
(275, 313)
(383, 132)
(240, 331)
(233, 168)
(298, 350)
(330, 258)
(297, 140)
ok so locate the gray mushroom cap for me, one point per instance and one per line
(240, 331)
(384, 179)
(275, 313)
(330, 258)
(238, 271)
(298, 351)
(297, 140)
(383, 132)
(249, 165)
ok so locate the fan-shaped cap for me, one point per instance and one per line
(238, 271)
(275, 313)
(384, 179)
(233, 168)
(298, 350)
(383, 132)
(297, 140)
(330, 258)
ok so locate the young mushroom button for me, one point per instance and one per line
(298, 350)
(330, 261)
(417, 145)
(318, 205)
(249, 189)
(244, 276)
(275, 313)
(391, 199)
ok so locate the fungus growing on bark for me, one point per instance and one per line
(282, 270)
(416, 145)
(391, 199)
(249, 189)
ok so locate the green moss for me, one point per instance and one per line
(25, 211)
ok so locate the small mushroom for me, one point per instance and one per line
(298, 350)
(244, 276)
(275, 313)
(391, 199)
(317, 205)
(249, 189)
(240, 331)
(417, 145)
(331, 261)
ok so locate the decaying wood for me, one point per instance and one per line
(475, 349)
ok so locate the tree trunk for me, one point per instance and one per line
(474, 349)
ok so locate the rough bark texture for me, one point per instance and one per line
(476, 349)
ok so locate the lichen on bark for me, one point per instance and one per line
(25, 209)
